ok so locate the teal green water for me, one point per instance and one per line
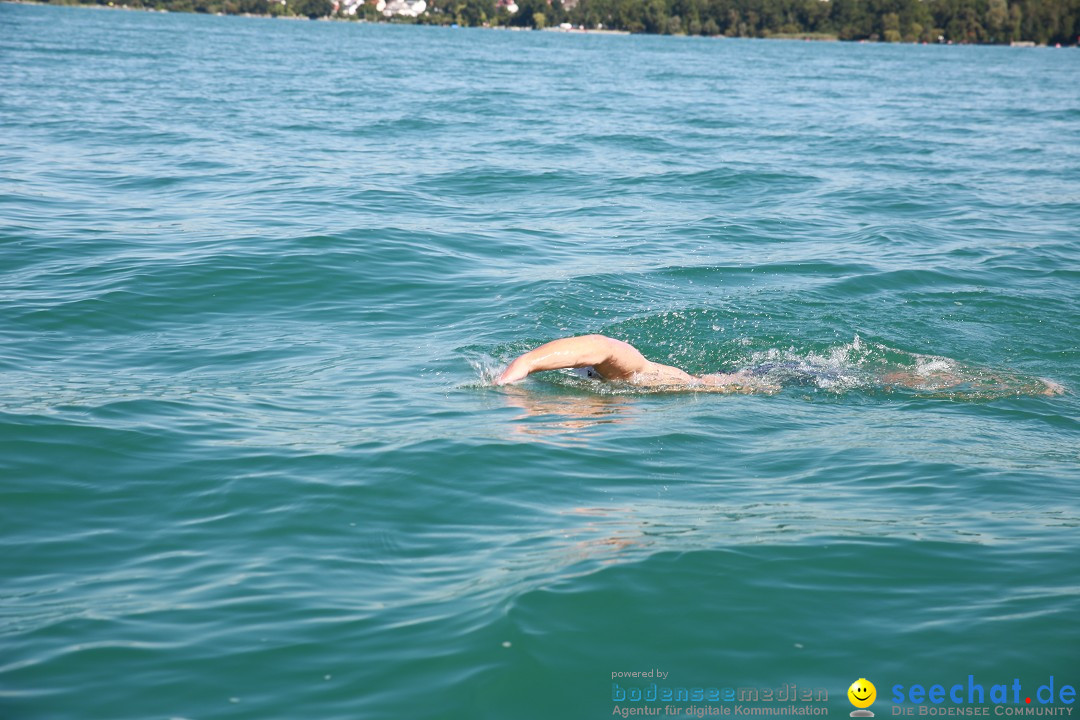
(255, 277)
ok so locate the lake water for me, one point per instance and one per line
(256, 277)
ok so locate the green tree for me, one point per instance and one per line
(526, 10)
(655, 16)
(473, 13)
(312, 8)
(1015, 22)
(890, 27)
(996, 20)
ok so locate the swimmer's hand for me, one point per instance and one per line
(514, 372)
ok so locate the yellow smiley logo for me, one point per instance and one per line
(862, 694)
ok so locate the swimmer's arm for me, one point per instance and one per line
(739, 382)
(613, 359)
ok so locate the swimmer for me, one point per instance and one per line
(609, 359)
(604, 358)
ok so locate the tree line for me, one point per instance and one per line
(956, 21)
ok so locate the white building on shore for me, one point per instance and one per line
(407, 8)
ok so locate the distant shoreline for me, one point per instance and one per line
(574, 30)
